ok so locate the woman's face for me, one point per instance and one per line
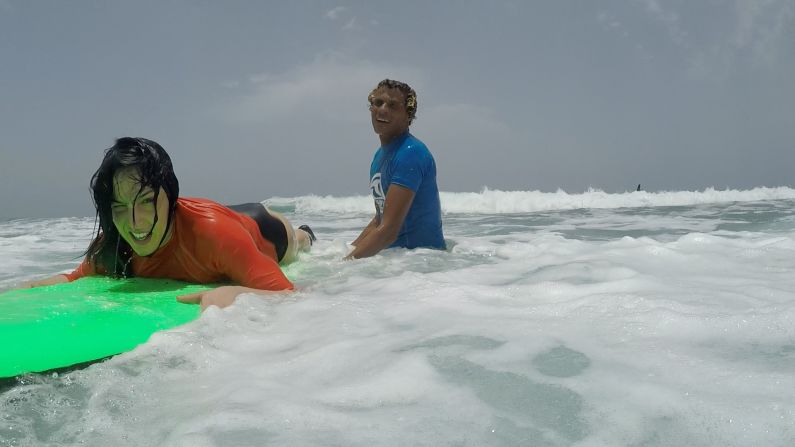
(138, 218)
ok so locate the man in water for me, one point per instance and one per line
(402, 178)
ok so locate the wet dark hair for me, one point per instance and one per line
(408, 92)
(109, 250)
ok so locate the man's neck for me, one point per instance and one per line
(385, 140)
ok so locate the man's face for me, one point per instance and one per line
(388, 112)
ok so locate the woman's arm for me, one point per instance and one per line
(223, 296)
(52, 280)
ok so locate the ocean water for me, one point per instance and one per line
(554, 319)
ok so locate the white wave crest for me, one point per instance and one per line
(492, 201)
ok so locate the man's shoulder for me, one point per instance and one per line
(414, 149)
(414, 143)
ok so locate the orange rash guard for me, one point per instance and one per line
(210, 244)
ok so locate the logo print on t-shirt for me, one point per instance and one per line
(378, 192)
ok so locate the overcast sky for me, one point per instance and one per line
(255, 99)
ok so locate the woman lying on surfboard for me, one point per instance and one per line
(147, 230)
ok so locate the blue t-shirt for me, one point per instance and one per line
(407, 162)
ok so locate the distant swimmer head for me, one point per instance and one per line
(132, 212)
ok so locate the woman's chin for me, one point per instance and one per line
(143, 247)
(143, 253)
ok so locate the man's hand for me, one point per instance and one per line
(396, 207)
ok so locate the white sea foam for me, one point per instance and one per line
(35, 247)
(651, 325)
(491, 201)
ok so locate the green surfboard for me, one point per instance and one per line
(86, 320)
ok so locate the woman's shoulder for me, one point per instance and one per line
(202, 210)
(210, 230)
(202, 216)
(196, 205)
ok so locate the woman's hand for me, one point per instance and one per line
(221, 296)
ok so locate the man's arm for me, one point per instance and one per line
(396, 207)
(370, 227)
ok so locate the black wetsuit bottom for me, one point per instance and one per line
(271, 228)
